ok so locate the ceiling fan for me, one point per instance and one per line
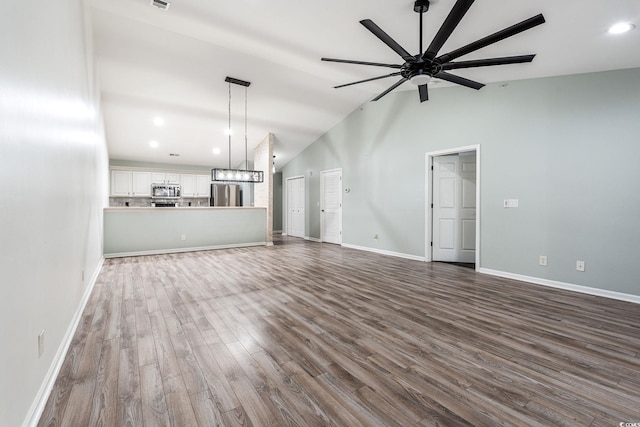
(420, 68)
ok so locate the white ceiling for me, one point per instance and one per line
(173, 64)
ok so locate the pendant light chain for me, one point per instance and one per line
(246, 163)
(229, 128)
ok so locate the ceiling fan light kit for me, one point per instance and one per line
(419, 69)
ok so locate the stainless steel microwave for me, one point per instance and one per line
(165, 191)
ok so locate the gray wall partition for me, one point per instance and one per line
(277, 201)
(566, 147)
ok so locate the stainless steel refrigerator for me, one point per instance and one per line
(225, 195)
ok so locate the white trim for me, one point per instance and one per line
(562, 285)
(428, 198)
(383, 252)
(312, 239)
(180, 250)
(40, 401)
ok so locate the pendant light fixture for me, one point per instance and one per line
(237, 175)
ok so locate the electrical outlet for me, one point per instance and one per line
(580, 265)
(510, 203)
(375, 237)
(41, 343)
(183, 237)
(543, 260)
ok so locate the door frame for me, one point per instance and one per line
(286, 203)
(428, 251)
(322, 202)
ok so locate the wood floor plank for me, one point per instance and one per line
(105, 397)
(154, 404)
(303, 333)
(129, 407)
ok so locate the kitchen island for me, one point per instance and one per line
(131, 231)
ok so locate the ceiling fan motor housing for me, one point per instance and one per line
(421, 6)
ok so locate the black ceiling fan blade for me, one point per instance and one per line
(395, 85)
(488, 62)
(348, 61)
(368, 80)
(455, 16)
(424, 93)
(386, 39)
(493, 38)
(459, 80)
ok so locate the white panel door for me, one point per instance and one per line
(331, 206)
(295, 207)
(454, 208)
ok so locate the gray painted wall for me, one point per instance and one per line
(566, 147)
(160, 230)
(53, 164)
(277, 201)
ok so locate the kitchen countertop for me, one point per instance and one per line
(181, 208)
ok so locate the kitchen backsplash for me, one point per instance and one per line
(145, 202)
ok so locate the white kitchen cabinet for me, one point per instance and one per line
(127, 183)
(172, 178)
(165, 178)
(195, 185)
(120, 183)
(187, 185)
(157, 177)
(140, 184)
(203, 186)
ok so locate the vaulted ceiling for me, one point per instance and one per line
(172, 64)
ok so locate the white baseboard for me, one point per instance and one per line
(562, 285)
(40, 401)
(180, 250)
(277, 232)
(383, 252)
(312, 239)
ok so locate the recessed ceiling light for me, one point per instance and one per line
(621, 27)
(153, 144)
(158, 121)
(216, 151)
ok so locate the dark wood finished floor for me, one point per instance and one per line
(309, 334)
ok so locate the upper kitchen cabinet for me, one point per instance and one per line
(165, 178)
(127, 183)
(203, 186)
(188, 185)
(120, 183)
(141, 184)
(195, 185)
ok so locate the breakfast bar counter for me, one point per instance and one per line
(130, 231)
